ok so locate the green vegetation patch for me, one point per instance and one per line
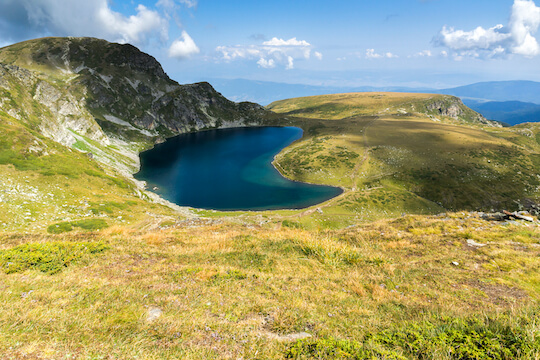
(49, 257)
(229, 275)
(336, 349)
(119, 182)
(473, 338)
(108, 207)
(88, 224)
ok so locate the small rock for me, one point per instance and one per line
(153, 314)
(472, 243)
(288, 337)
(25, 294)
(455, 263)
(297, 336)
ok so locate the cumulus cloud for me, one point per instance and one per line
(132, 29)
(290, 63)
(424, 53)
(61, 18)
(24, 19)
(371, 54)
(183, 47)
(270, 53)
(266, 64)
(499, 40)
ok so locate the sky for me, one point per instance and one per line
(416, 43)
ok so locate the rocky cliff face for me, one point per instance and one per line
(453, 107)
(108, 99)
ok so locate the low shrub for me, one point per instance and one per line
(49, 257)
(473, 338)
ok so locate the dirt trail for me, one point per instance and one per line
(353, 175)
(366, 153)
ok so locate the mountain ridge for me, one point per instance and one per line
(474, 95)
(109, 93)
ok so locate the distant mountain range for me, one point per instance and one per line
(509, 112)
(266, 92)
(512, 102)
(524, 91)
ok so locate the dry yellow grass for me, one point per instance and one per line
(232, 290)
(340, 106)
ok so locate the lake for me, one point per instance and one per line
(228, 169)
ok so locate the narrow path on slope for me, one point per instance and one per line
(353, 176)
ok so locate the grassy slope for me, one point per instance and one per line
(393, 155)
(232, 291)
(43, 183)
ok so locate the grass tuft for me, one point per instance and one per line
(88, 224)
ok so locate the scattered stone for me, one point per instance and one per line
(24, 295)
(472, 243)
(288, 337)
(153, 314)
(517, 215)
(506, 215)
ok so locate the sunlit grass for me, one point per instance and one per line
(231, 290)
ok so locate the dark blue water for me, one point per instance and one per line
(228, 169)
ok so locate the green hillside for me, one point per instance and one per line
(409, 153)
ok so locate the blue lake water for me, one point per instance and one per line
(228, 169)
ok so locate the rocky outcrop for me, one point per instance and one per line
(452, 110)
(88, 93)
(453, 107)
(60, 113)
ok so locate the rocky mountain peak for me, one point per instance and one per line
(86, 91)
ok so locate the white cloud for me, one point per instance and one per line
(371, 54)
(291, 42)
(318, 55)
(189, 3)
(290, 63)
(60, 17)
(424, 53)
(266, 64)
(524, 22)
(270, 53)
(172, 4)
(516, 38)
(132, 29)
(96, 18)
(183, 47)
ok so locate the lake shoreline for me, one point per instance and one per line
(212, 149)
